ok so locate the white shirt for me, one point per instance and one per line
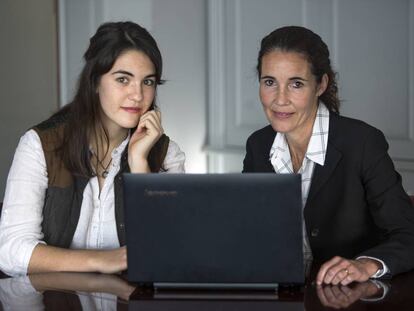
(20, 222)
(315, 153)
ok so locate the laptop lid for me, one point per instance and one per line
(214, 230)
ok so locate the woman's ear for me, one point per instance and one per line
(323, 85)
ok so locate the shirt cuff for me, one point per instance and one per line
(381, 272)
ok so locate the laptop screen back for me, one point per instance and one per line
(213, 229)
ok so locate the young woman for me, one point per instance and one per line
(62, 209)
(358, 221)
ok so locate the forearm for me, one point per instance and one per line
(53, 259)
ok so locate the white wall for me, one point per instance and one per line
(29, 79)
(180, 29)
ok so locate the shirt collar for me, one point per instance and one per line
(318, 142)
(279, 154)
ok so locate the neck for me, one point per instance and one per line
(116, 137)
(107, 142)
(298, 140)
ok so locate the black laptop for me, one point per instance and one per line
(213, 230)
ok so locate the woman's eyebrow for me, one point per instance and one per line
(267, 77)
(298, 78)
(151, 75)
(123, 72)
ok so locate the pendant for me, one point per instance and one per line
(104, 173)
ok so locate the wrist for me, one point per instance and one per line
(139, 165)
(371, 266)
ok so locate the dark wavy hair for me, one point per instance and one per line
(83, 113)
(302, 40)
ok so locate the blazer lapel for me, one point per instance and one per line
(270, 137)
(321, 174)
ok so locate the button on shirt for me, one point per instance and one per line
(315, 154)
(20, 222)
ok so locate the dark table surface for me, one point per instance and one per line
(89, 291)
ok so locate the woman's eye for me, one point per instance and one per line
(297, 84)
(123, 80)
(149, 82)
(269, 82)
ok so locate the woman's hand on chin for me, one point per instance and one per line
(148, 132)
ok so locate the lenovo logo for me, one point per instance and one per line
(160, 193)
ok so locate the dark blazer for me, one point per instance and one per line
(356, 204)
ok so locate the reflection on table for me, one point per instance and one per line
(90, 291)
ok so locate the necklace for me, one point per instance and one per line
(105, 168)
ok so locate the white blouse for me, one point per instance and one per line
(21, 219)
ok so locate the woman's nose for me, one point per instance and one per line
(135, 92)
(281, 98)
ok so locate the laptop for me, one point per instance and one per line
(214, 231)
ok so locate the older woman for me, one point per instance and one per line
(358, 221)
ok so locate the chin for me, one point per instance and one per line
(128, 124)
(280, 128)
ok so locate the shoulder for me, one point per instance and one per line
(30, 138)
(29, 155)
(173, 148)
(262, 136)
(51, 131)
(346, 131)
(30, 144)
(174, 159)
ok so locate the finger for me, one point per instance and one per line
(348, 279)
(138, 133)
(337, 264)
(325, 267)
(154, 118)
(341, 275)
(158, 112)
(153, 113)
(153, 129)
(337, 272)
(145, 124)
(353, 274)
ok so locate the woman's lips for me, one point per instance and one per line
(282, 115)
(131, 109)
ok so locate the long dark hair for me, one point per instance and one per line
(302, 40)
(83, 113)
